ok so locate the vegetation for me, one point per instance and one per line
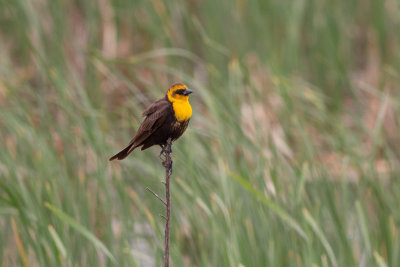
(292, 157)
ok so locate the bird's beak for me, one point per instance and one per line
(187, 92)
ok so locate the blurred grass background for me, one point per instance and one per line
(292, 157)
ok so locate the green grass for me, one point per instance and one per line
(291, 158)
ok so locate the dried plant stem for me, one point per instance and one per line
(167, 163)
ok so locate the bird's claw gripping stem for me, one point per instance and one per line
(166, 151)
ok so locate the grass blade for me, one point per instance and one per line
(57, 241)
(275, 208)
(379, 260)
(78, 227)
(321, 236)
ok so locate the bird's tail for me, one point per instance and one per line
(124, 152)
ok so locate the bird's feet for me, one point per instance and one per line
(165, 156)
(162, 153)
(164, 150)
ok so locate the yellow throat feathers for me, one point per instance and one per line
(180, 103)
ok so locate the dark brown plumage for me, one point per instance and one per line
(161, 121)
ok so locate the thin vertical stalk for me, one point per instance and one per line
(167, 163)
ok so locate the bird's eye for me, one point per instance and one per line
(180, 92)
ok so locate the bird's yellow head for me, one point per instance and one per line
(178, 95)
(178, 92)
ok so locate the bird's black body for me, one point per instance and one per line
(159, 125)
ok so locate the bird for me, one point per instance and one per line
(166, 118)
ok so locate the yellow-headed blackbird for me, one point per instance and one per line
(166, 118)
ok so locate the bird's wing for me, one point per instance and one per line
(155, 106)
(155, 114)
